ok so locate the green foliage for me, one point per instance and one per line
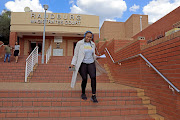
(97, 41)
(5, 26)
(104, 39)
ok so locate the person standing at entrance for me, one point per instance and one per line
(8, 53)
(83, 61)
(16, 51)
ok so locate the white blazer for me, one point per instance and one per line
(78, 58)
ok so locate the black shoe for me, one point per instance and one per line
(83, 96)
(93, 99)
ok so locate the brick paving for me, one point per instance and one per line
(59, 86)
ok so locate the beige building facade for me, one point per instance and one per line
(62, 31)
(123, 30)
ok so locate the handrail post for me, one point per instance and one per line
(26, 73)
(48, 54)
(37, 55)
(1, 45)
(32, 62)
(46, 57)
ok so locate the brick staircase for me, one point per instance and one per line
(49, 96)
(58, 101)
(56, 71)
(12, 72)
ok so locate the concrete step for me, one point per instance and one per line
(90, 111)
(68, 102)
(131, 117)
(67, 94)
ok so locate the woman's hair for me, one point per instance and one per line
(87, 33)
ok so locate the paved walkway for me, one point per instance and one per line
(59, 86)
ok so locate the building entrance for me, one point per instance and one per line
(74, 45)
(40, 48)
(34, 44)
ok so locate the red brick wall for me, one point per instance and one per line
(128, 70)
(120, 43)
(165, 56)
(12, 38)
(161, 26)
(163, 53)
(128, 51)
(21, 43)
(101, 46)
(96, 37)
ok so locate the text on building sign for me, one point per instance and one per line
(61, 19)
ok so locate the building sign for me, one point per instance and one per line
(53, 18)
(57, 52)
(172, 31)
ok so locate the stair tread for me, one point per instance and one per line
(130, 117)
(77, 99)
(13, 72)
(76, 108)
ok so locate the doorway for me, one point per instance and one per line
(74, 45)
(39, 48)
(34, 44)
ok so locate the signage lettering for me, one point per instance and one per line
(58, 16)
(60, 19)
(39, 16)
(52, 16)
(78, 17)
(65, 17)
(33, 15)
(71, 17)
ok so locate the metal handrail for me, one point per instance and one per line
(109, 55)
(173, 86)
(31, 61)
(97, 51)
(48, 54)
(1, 45)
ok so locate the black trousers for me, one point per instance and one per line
(84, 70)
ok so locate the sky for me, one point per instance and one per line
(107, 10)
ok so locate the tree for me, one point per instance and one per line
(5, 19)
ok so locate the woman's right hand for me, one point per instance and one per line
(72, 66)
